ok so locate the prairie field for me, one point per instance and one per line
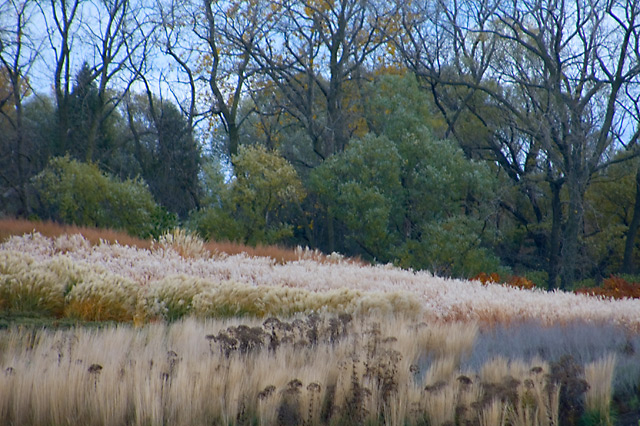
(192, 335)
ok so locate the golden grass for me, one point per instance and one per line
(178, 374)
(599, 375)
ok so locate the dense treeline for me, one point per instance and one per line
(451, 136)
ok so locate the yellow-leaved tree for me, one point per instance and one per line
(257, 205)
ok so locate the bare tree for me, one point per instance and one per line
(322, 47)
(560, 73)
(211, 42)
(61, 21)
(104, 35)
(18, 52)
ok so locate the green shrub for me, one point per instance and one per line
(78, 193)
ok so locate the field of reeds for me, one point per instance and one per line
(198, 335)
(311, 369)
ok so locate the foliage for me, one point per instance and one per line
(360, 188)
(513, 281)
(614, 287)
(164, 152)
(78, 193)
(609, 211)
(256, 206)
(406, 196)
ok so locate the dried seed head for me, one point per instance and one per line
(294, 384)
(437, 386)
(314, 387)
(94, 368)
(266, 392)
(536, 370)
(465, 380)
(271, 322)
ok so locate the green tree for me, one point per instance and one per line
(406, 196)
(79, 193)
(257, 205)
(611, 206)
(563, 77)
(360, 188)
(165, 152)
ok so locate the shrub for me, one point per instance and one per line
(513, 281)
(614, 287)
(81, 194)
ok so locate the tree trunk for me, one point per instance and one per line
(554, 240)
(234, 138)
(632, 232)
(22, 178)
(570, 249)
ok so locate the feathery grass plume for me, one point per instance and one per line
(187, 245)
(599, 376)
(234, 299)
(30, 286)
(440, 404)
(171, 297)
(102, 296)
(166, 374)
(500, 368)
(439, 298)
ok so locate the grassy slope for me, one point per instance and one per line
(516, 341)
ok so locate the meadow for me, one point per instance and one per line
(190, 334)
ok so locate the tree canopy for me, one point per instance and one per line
(459, 137)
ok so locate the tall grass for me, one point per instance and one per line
(306, 370)
(17, 227)
(599, 375)
(160, 282)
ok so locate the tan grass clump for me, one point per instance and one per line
(187, 245)
(102, 296)
(29, 286)
(235, 299)
(599, 375)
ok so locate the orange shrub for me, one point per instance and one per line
(513, 281)
(614, 287)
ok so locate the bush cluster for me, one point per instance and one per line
(512, 281)
(79, 193)
(614, 287)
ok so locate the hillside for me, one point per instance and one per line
(67, 274)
